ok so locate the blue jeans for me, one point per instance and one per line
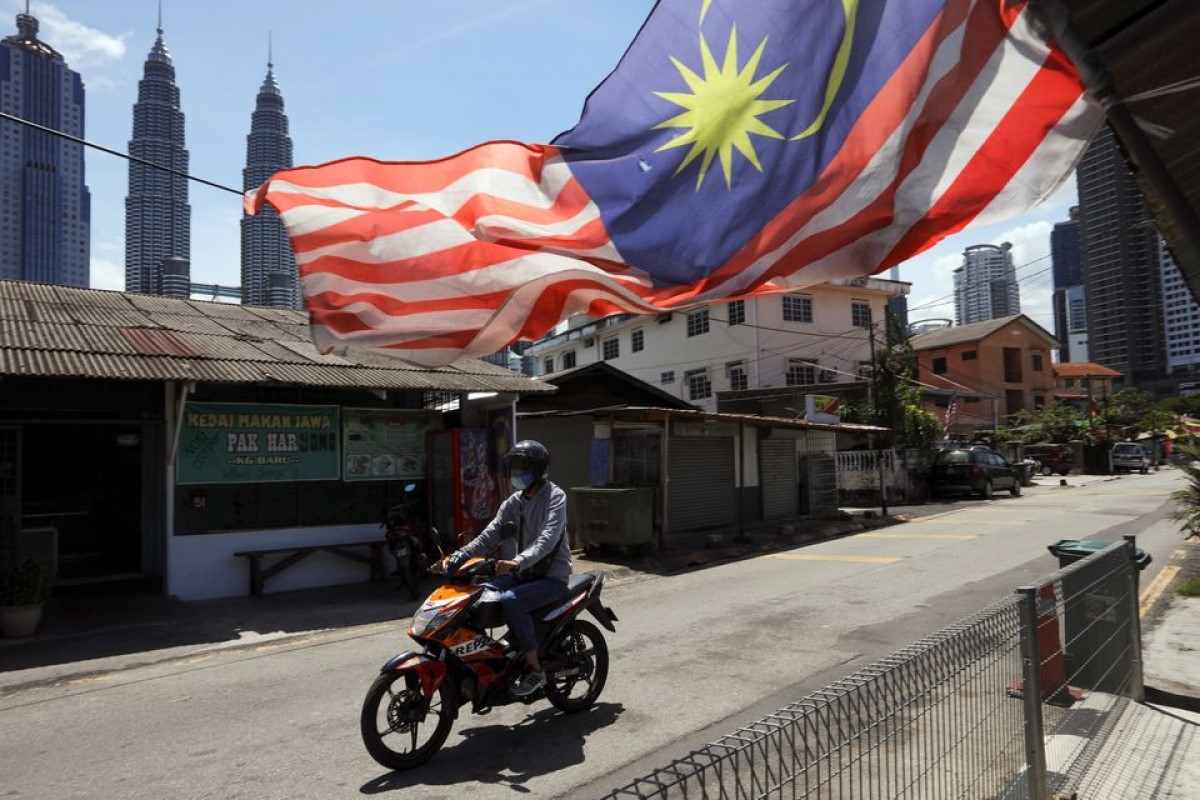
(521, 598)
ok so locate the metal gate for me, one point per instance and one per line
(701, 493)
(777, 473)
(822, 485)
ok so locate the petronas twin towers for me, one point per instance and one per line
(45, 204)
(157, 213)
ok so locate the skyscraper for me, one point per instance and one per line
(1069, 300)
(1122, 267)
(985, 286)
(269, 276)
(45, 206)
(158, 219)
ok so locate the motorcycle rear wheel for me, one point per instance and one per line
(580, 660)
(391, 721)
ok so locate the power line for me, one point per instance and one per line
(947, 299)
(118, 153)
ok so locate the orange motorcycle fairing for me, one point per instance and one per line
(429, 670)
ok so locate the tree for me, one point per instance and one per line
(895, 400)
(1187, 499)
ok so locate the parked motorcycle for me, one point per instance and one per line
(404, 541)
(411, 706)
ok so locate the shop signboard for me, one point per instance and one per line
(258, 443)
(385, 444)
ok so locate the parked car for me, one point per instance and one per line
(1058, 458)
(974, 470)
(1130, 456)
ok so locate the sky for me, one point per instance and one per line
(396, 82)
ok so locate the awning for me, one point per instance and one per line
(1140, 60)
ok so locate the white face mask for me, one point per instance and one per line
(521, 480)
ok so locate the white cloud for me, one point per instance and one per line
(83, 47)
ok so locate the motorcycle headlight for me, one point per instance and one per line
(435, 614)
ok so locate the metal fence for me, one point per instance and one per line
(948, 716)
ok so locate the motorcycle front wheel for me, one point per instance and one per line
(578, 667)
(399, 731)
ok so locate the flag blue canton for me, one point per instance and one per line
(655, 213)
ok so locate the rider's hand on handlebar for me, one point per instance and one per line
(506, 566)
(440, 567)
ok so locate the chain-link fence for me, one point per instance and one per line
(948, 716)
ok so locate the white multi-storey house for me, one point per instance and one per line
(818, 335)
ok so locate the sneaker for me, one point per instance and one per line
(529, 683)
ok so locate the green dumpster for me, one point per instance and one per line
(1069, 551)
(1096, 618)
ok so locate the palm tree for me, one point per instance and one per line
(1187, 499)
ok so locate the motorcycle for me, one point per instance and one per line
(411, 706)
(404, 543)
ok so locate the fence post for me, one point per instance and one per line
(1137, 685)
(1031, 695)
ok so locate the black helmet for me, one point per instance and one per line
(527, 455)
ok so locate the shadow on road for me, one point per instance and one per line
(544, 742)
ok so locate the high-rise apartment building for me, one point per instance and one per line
(269, 276)
(45, 206)
(1069, 299)
(985, 286)
(1181, 318)
(158, 219)
(1122, 268)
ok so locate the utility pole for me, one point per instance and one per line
(873, 389)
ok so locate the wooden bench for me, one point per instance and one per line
(293, 555)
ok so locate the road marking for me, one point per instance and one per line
(853, 559)
(1156, 588)
(916, 536)
(964, 522)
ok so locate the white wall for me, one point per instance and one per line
(202, 566)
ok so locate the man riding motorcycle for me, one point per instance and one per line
(535, 564)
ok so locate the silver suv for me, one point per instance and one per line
(1130, 456)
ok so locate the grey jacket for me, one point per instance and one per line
(541, 523)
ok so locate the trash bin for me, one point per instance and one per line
(1097, 617)
(1069, 551)
(1025, 471)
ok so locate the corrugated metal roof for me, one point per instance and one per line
(62, 331)
(1142, 55)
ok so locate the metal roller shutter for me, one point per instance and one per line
(777, 474)
(701, 493)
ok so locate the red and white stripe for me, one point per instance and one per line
(440, 260)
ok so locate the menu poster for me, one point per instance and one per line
(385, 444)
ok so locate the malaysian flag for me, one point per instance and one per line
(951, 413)
(739, 148)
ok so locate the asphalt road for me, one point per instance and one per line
(695, 655)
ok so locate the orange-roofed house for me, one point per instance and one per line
(976, 376)
(1083, 384)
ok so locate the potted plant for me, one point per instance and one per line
(23, 589)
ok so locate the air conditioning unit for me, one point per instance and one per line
(589, 341)
(664, 318)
